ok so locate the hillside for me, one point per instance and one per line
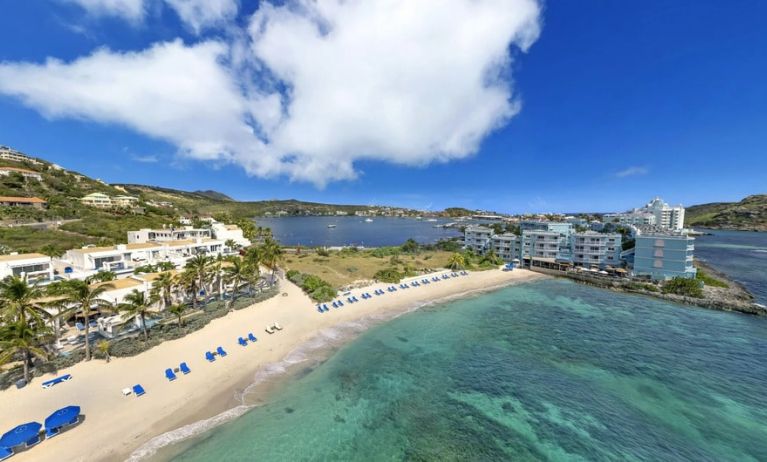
(66, 223)
(748, 214)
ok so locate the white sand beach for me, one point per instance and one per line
(115, 425)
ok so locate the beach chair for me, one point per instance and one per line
(340, 303)
(325, 307)
(127, 391)
(252, 337)
(184, 368)
(350, 300)
(355, 299)
(93, 324)
(80, 326)
(138, 390)
(209, 356)
(242, 341)
(5, 453)
(335, 305)
(220, 351)
(269, 329)
(319, 308)
(32, 442)
(51, 432)
(56, 381)
(277, 326)
(170, 375)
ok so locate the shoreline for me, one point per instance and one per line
(116, 426)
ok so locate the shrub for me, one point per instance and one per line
(683, 286)
(390, 275)
(709, 280)
(315, 287)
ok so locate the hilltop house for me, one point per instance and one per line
(97, 199)
(13, 155)
(34, 266)
(7, 171)
(11, 201)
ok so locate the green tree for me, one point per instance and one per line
(456, 262)
(199, 268)
(162, 288)
(22, 338)
(137, 304)
(17, 299)
(103, 347)
(85, 297)
(178, 310)
(271, 255)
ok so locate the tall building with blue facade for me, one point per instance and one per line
(664, 256)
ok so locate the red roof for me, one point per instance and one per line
(30, 200)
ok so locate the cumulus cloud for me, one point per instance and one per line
(311, 88)
(132, 10)
(632, 171)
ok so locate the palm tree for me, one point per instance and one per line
(231, 244)
(85, 297)
(103, 347)
(20, 337)
(137, 304)
(456, 261)
(198, 268)
(178, 310)
(17, 300)
(162, 288)
(271, 254)
(101, 276)
(237, 272)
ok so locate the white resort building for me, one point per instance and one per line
(655, 213)
(99, 200)
(34, 266)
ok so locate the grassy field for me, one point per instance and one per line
(341, 268)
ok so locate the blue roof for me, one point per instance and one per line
(20, 435)
(62, 417)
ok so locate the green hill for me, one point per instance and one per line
(748, 214)
(66, 223)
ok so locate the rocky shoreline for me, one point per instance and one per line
(734, 298)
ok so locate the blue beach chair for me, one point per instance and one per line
(209, 356)
(252, 337)
(170, 375)
(221, 352)
(5, 453)
(138, 390)
(242, 341)
(184, 368)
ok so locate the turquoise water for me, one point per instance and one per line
(543, 371)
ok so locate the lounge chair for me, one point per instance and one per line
(277, 326)
(32, 442)
(221, 352)
(138, 390)
(184, 368)
(5, 453)
(269, 329)
(170, 375)
(93, 324)
(350, 300)
(209, 356)
(319, 308)
(57, 380)
(242, 341)
(127, 391)
(252, 337)
(51, 432)
(340, 303)
(355, 299)
(325, 307)
(335, 305)
(80, 326)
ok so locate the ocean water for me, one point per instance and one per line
(549, 370)
(382, 231)
(740, 255)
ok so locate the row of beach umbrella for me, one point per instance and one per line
(29, 432)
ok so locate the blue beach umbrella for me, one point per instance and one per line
(20, 435)
(63, 416)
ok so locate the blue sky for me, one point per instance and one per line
(620, 101)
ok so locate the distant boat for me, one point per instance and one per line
(432, 219)
(331, 226)
(368, 220)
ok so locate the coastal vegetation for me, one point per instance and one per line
(750, 214)
(180, 302)
(318, 289)
(683, 286)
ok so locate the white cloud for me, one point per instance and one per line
(632, 171)
(132, 10)
(314, 87)
(199, 14)
(148, 159)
